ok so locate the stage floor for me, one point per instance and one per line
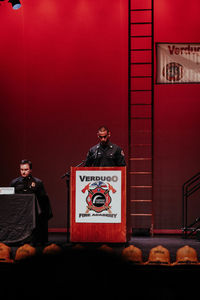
(145, 243)
(172, 243)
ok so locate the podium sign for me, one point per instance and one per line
(98, 204)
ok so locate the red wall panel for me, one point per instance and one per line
(176, 118)
(63, 74)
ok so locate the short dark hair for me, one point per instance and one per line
(26, 161)
(102, 128)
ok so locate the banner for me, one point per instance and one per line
(98, 196)
(178, 63)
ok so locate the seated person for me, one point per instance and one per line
(27, 184)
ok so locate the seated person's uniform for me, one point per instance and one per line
(33, 185)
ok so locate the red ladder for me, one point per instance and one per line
(140, 175)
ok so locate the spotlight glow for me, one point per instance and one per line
(16, 6)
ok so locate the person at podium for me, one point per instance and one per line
(105, 154)
(27, 184)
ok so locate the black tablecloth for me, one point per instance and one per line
(17, 217)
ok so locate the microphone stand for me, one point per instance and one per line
(67, 175)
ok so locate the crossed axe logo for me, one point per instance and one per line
(91, 193)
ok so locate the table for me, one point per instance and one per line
(18, 213)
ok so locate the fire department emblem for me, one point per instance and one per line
(173, 71)
(98, 197)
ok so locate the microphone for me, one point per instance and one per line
(68, 173)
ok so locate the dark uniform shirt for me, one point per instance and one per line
(109, 156)
(33, 185)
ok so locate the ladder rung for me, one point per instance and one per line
(132, 104)
(147, 49)
(140, 173)
(150, 172)
(141, 118)
(141, 36)
(141, 200)
(141, 9)
(147, 76)
(141, 145)
(142, 131)
(141, 158)
(141, 186)
(140, 90)
(141, 104)
(140, 23)
(141, 215)
(135, 91)
(141, 63)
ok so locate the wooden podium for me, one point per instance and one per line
(98, 204)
